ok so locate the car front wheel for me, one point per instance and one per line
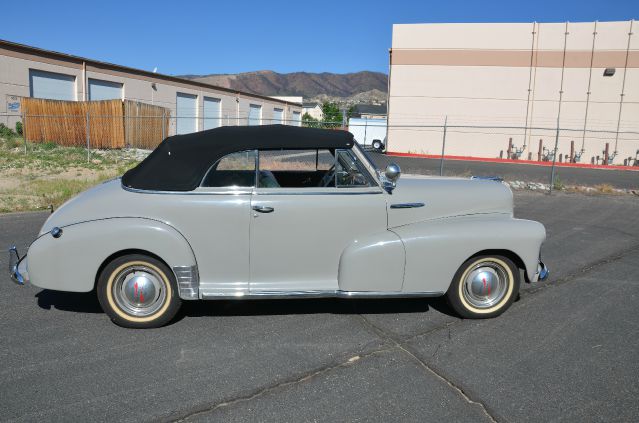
(377, 145)
(484, 286)
(138, 291)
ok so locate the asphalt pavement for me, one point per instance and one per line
(623, 179)
(568, 350)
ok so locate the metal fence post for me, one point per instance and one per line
(24, 131)
(441, 163)
(554, 159)
(163, 121)
(88, 139)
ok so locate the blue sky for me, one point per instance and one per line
(200, 37)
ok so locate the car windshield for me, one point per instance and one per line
(373, 168)
(365, 154)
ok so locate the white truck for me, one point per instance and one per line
(369, 132)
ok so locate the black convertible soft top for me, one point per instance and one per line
(180, 162)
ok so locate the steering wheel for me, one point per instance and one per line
(328, 177)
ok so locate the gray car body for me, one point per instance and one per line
(317, 242)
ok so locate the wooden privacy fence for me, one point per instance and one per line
(104, 124)
(145, 125)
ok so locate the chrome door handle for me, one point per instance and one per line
(263, 209)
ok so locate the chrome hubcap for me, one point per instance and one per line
(485, 284)
(139, 291)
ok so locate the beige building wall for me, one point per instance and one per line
(146, 87)
(315, 112)
(514, 75)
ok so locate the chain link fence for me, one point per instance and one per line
(546, 146)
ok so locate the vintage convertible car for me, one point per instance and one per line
(281, 212)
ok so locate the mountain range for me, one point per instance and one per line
(357, 87)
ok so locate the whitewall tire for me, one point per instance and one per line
(484, 286)
(138, 291)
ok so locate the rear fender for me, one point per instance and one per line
(71, 262)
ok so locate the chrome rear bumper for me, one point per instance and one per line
(17, 267)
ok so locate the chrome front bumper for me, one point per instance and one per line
(542, 272)
(17, 267)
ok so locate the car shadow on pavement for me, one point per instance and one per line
(312, 306)
(87, 302)
(79, 302)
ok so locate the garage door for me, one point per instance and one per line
(104, 90)
(278, 116)
(186, 113)
(297, 119)
(54, 86)
(255, 114)
(212, 113)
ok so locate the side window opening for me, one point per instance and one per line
(296, 168)
(232, 170)
(322, 168)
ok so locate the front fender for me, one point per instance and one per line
(71, 262)
(372, 263)
(436, 249)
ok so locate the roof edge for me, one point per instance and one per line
(10, 45)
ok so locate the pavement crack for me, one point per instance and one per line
(399, 345)
(352, 358)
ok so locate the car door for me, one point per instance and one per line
(220, 217)
(305, 211)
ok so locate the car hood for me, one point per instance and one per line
(445, 197)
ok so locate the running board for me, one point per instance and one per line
(275, 295)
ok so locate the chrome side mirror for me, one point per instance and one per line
(392, 172)
(390, 177)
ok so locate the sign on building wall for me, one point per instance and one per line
(14, 105)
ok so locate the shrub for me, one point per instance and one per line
(6, 132)
(558, 184)
(19, 128)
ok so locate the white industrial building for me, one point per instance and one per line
(498, 77)
(27, 71)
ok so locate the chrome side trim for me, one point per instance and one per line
(257, 192)
(188, 282)
(273, 295)
(221, 192)
(406, 205)
(488, 178)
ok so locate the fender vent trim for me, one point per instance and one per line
(188, 282)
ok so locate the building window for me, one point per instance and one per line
(104, 90)
(50, 85)
(186, 113)
(255, 115)
(212, 113)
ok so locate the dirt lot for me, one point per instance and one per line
(48, 175)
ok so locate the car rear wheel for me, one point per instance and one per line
(138, 291)
(484, 286)
(377, 145)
